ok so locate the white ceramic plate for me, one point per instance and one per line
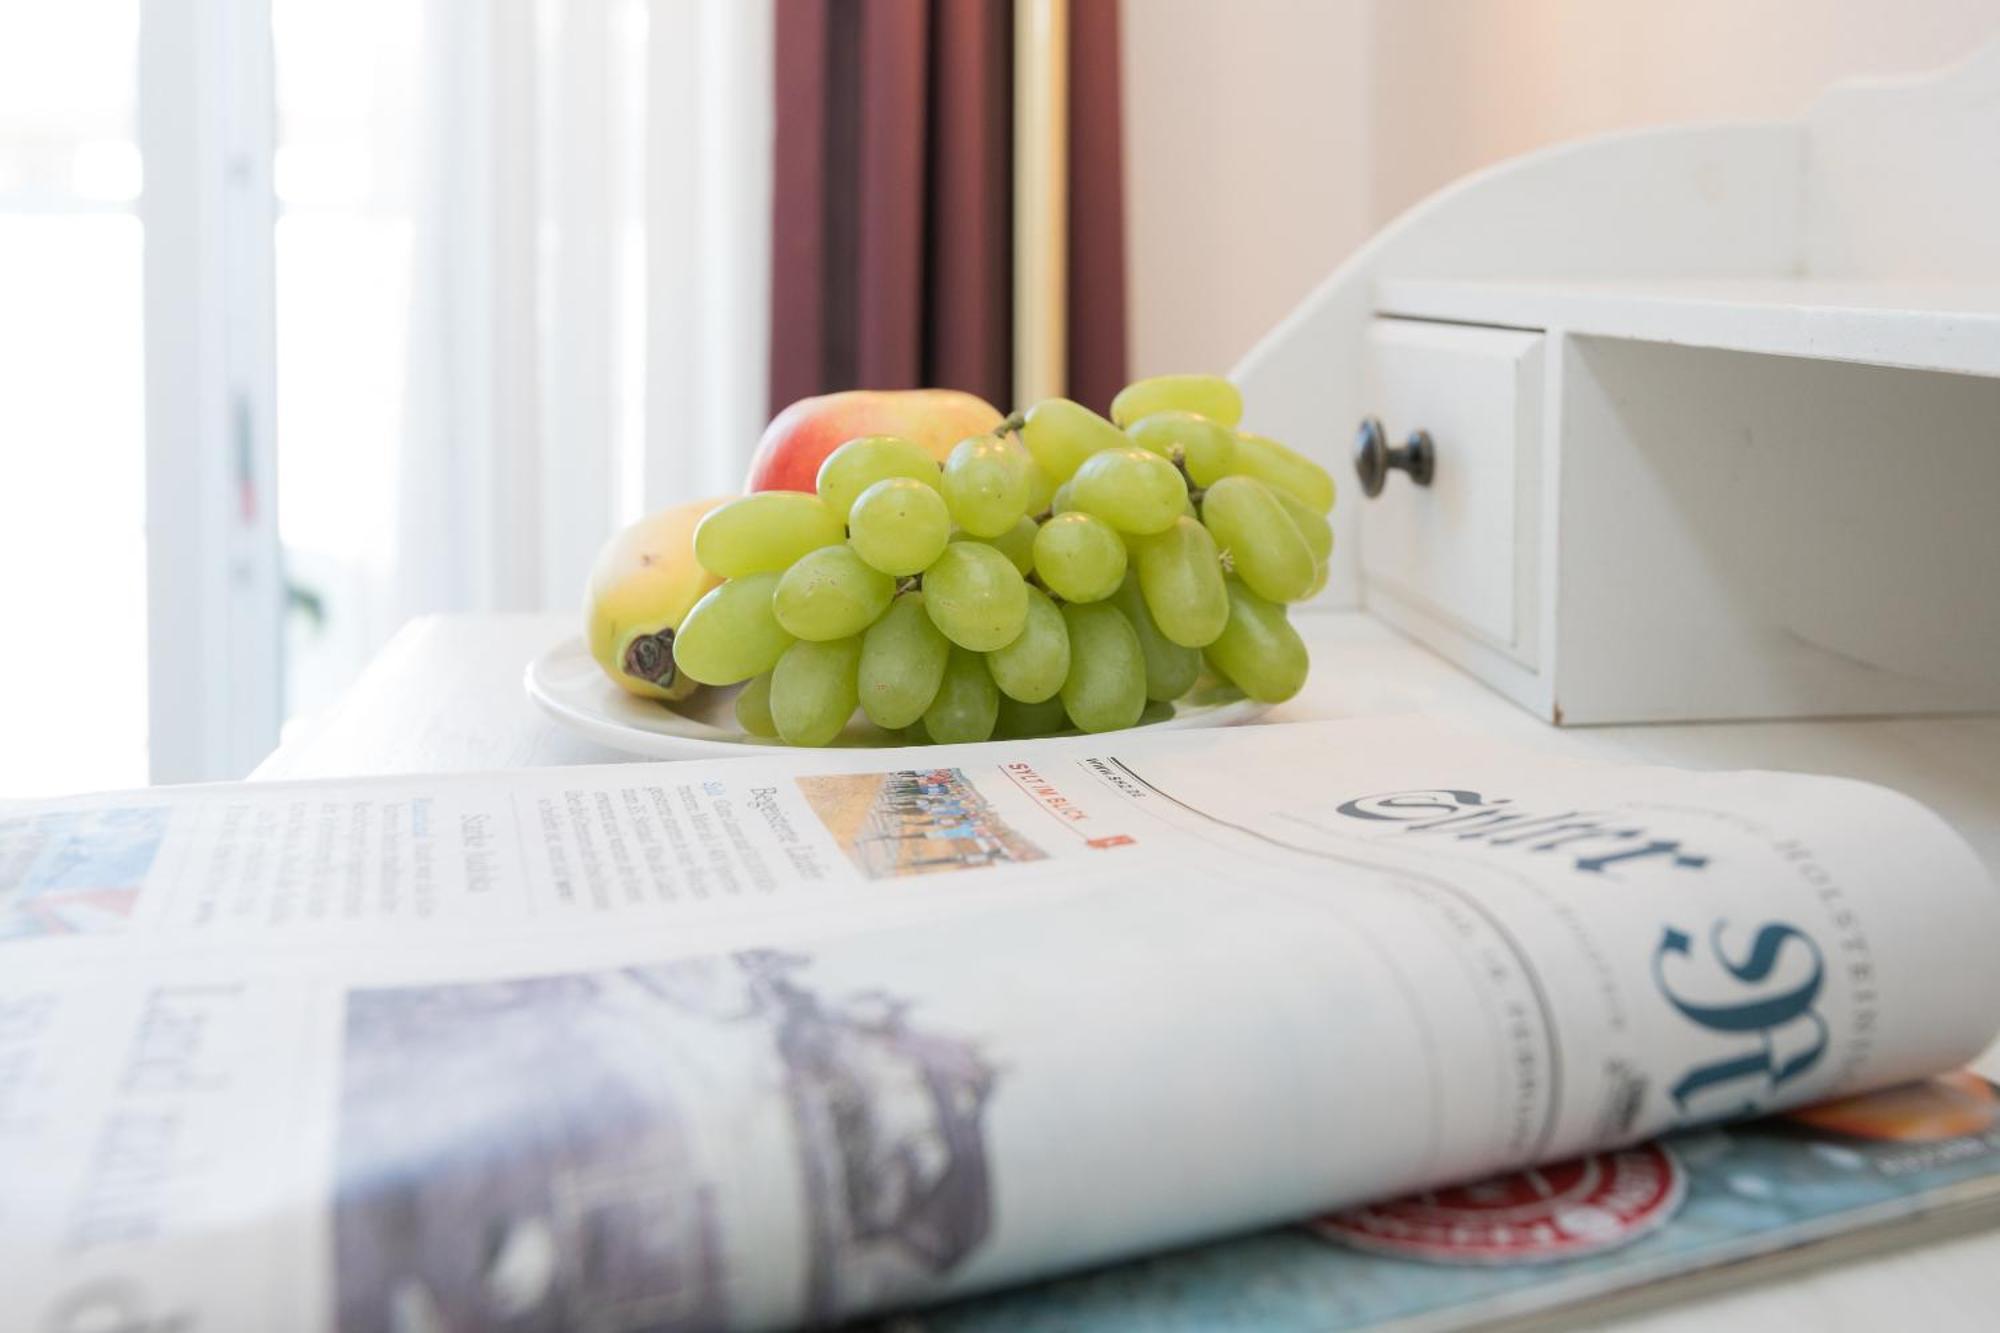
(569, 687)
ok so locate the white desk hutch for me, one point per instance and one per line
(1713, 413)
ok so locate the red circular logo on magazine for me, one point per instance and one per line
(1565, 1211)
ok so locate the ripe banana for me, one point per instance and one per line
(645, 581)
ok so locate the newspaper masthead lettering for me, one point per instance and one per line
(1767, 1021)
(1594, 842)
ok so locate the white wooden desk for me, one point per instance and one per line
(446, 695)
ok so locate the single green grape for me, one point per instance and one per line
(1171, 668)
(1019, 721)
(1205, 449)
(1285, 469)
(1106, 687)
(985, 485)
(976, 596)
(1079, 557)
(1016, 543)
(1040, 485)
(898, 526)
(763, 533)
(1033, 667)
(732, 633)
(967, 703)
(813, 689)
(1060, 434)
(859, 464)
(1258, 650)
(1311, 523)
(831, 593)
(1264, 546)
(1131, 489)
(1208, 395)
(753, 707)
(902, 661)
(1180, 576)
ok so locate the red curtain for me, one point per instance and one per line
(1096, 278)
(892, 235)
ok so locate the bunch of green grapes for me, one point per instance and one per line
(1062, 572)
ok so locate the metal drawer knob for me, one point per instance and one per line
(1375, 458)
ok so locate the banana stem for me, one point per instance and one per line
(650, 657)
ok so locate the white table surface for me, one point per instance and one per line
(445, 695)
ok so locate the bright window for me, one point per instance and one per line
(388, 307)
(348, 127)
(72, 401)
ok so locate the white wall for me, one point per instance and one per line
(1461, 83)
(1266, 138)
(1246, 167)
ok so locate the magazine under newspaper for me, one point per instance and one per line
(794, 1039)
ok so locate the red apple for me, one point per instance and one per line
(799, 438)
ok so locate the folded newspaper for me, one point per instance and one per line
(790, 1040)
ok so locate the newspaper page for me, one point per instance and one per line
(779, 1041)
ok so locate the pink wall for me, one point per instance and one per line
(1267, 138)
(1245, 160)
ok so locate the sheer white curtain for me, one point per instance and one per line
(590, 285)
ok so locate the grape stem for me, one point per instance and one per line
(1012, 423)
(909, 583)
(1178, 457)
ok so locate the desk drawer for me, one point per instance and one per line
(1463, 548)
